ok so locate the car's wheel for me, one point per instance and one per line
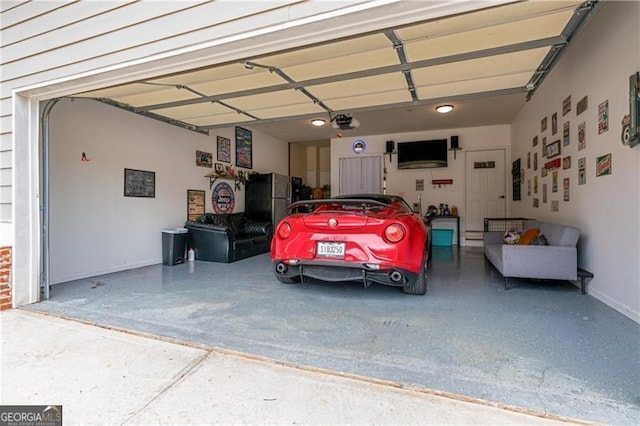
(288, 280)
(420, 286)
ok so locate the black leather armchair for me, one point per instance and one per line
(228, 237)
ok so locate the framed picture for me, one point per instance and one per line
(244, 148)
(516, 173)
(582, 105)
(566, 105)
(552, 149)
(204, 159)
(603, 117)
(603, 165)
(219, 168)
(139, 183)
(195, 204)
(224, 149)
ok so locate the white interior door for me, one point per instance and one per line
(485, 187)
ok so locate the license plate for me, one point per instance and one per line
(335, 250)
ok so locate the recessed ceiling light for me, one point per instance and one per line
(443, 109)
(318, 122)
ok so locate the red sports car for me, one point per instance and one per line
(366, 237)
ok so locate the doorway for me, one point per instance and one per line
(485, 189)
(361, 175)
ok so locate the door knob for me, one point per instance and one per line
(502, 196)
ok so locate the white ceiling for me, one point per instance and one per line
(484, 63)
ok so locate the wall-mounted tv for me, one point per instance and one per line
(422, 154)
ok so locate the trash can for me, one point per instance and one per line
(174, 244)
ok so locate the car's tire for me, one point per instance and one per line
(288, 280)
(420, 286)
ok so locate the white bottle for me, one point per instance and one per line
(191, 255)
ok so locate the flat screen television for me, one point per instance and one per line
(422, 154)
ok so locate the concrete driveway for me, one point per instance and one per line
(106, 376)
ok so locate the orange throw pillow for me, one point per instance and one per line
(528, 236)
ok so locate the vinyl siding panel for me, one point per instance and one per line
(27, 11)
(5, 176)
(140, 17)
(5, 194)
(5, 160)
(5, 106)
(5, 213)
(10, 4)
(5, 124)
(5, 142)
(56, 19)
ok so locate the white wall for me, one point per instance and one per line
(298, 160)
(597, 64)
(403, 182)
(324, 166)
(94, 228)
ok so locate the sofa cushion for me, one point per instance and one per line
(540, 240)
(528, 236)
(560, 235)
(235, 222)
(212, 219)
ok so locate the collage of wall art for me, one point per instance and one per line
(561, 135)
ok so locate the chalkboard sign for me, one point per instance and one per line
(138, 183)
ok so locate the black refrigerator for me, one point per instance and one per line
(267, 197)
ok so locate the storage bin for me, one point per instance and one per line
(442, 237)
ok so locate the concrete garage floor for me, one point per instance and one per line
(540, 346)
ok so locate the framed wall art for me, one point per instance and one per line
(552, 149)
(224, 149)
(566, 105)
(516, 173)
(139, 183)
(244, 148)
(195, 204)
(582, 136)
(582, 171)
(582, 105)
(603, 165)
(603, 117)
(204, 159)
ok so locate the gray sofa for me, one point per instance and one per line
(558, 260)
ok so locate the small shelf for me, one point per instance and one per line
(213, 177)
